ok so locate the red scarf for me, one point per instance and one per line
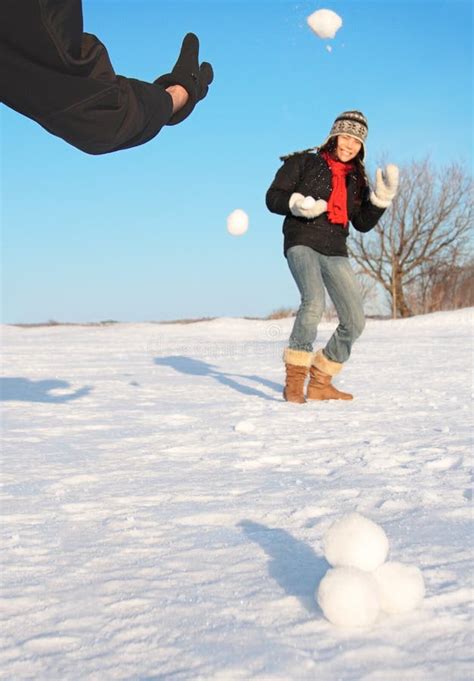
(337, 204)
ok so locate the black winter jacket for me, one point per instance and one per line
(309, 174)
(62, 78)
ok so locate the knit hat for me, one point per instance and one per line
(352, 123)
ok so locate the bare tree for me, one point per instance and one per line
(445, 287)
(425, 231)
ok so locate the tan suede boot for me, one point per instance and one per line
(320, 386)
(297, 363)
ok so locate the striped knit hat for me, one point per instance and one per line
(352, 123)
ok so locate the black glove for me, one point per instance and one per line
(189, 74)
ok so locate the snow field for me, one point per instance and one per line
(164, 510)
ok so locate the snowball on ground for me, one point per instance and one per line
(245, 427)
(401, 587)
(355, 541)
(348, 597)
(237, 222)
(325, 23)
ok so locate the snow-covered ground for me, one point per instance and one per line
(164, 507)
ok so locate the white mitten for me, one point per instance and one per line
(386, 185)
(306, 206)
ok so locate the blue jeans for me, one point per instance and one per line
(313, 272)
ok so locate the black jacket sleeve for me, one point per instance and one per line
(285, 183)
(366, 217)
(59, 76)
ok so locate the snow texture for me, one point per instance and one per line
(349, 597)
(355, 541)
(164, 508)
(237, 222)
(325, 23)
(401, 587)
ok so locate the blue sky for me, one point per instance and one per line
(141, 234)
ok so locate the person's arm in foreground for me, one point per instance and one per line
(59, 76)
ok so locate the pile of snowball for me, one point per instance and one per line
(361, 584)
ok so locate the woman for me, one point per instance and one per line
(319, 191)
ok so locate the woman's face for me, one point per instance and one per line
(347, 148)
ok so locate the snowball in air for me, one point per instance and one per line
(325, 23)
(237, 222)
(355, 541)
(348, 597)
(401, 587)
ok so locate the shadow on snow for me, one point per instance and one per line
(293, 564)
(25, 390)
(196, 367)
